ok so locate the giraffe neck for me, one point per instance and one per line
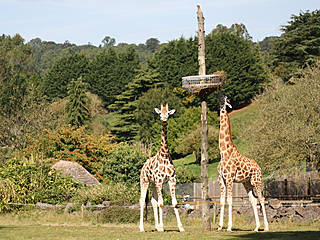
(164, 142)
(225, 137)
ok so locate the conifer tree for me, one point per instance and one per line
(125, 104)
(78, 103)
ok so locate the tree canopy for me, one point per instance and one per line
(300, 42)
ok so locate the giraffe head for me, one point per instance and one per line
(224, 102)
(164, 112)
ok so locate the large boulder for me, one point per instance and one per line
(76, 171)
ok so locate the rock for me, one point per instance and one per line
(274, 203)
(45, 206)
(76, 171)
(68, 206)
(106, 203)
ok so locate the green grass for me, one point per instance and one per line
(189, 162)
(51, 226)
(238, 120)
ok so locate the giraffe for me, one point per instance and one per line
(234, 167)
(158, 170)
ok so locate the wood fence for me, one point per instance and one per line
(304, 186)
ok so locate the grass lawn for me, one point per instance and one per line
(51, 225)
(190, 164)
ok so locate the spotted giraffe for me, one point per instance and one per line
(234, 167)
(158, 170)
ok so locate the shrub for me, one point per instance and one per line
(31, 184)
(191, 143)
(124, 163)
(117, 193)
(69, 144)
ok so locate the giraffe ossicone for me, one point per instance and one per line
(158, 170)
(234, 167)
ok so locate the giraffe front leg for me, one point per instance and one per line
(172, 186)
(229, 201)
(154, 202)
(222, 200)
(144, 189)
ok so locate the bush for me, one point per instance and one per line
(31, 184)
(191, 143)
(117, 193)
(119, 215)
(124, 163)
(69, 144)
(286, 131)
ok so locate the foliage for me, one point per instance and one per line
(232, 51)
(26, 118)
(176, 59)
(77, 106)
(146, 116)
(126, 128)
(69, 144)
(56, 80)
(110, 72)
(117, 193)
(191, 143)
(285, 131)
(32, 183)
(299, 43)
(123, 164)
(184, 176)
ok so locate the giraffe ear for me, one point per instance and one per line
(172, 111)
(157, 110)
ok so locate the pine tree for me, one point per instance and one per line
(78, 103)
(125, 104)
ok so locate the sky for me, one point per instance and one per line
(134, 21)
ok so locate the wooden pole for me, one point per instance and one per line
(206, 225)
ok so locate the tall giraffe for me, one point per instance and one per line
(234, 167)
(158, 170)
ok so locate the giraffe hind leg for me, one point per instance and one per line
(223, 190)
(262, 203)
(253, 200)
(172, 186)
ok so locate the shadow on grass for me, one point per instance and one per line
(281, 235)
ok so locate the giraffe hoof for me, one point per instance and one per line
(160, 229)
(181, 229)
(219, 228)
(141, 230)
(266, 229)
(256, 229)
(229, 230)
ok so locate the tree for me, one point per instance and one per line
(111, 72)
(78, 105)
(300, 42)
(126, 128)
(227, 49)
(146, 116)
(176, 59)
(63, 71)
(152, 44)
(108, 41)
(235, 54)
